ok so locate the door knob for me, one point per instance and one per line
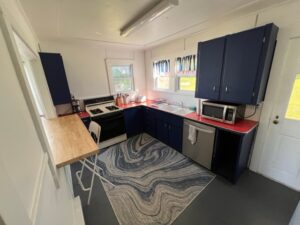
(276, 121)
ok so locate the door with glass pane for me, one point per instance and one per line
(281, 158)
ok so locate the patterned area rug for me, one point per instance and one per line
(154, 183)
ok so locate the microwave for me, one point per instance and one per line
(226, 113)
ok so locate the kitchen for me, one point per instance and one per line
(250, 162)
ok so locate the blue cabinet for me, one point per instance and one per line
(231, 153)
(243, 71)
(56, 77)
(169, 129)
(209, 68)
(149, 123)
(133, 121)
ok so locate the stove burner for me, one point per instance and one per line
(96, 111)
(112, 108)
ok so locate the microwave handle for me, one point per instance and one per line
(224, 113)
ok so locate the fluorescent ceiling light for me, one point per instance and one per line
(159, 9)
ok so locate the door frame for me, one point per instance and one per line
(271, 97)
(7, 30)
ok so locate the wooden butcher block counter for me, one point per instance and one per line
(69, 139)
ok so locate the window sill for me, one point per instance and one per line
(185, 93)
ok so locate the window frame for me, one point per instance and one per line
(119, 62)
(179, 74)
(171, 88)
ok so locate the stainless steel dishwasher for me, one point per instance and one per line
(202, 150)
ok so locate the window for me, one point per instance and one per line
(120, 75)
(185, 71)
(293, 111)
(161, 74)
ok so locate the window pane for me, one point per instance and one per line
(122, 78)
(163, 83)
(123, 84)
(293, 111)
(187, 83)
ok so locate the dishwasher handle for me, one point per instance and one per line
(201, 129)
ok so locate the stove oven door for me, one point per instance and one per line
(112, 125)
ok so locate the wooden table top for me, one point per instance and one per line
(69, 139)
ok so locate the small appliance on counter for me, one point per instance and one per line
(119, 100)
(223, 112)
(75, 105)
(140, 98)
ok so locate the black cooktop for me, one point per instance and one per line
(96, 111)
(112, 108)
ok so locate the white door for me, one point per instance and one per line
(281, 158)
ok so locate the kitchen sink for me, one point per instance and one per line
(169, 108)
(183, 111)
(174, 109)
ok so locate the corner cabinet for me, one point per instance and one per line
(236, 68)
(56, 77)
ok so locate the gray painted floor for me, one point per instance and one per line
(254, 200)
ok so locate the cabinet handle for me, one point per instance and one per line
(226, 89)
(214, 88)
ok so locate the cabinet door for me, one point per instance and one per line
(175, 137)
(242, 57)
(133, 121)
(162, 125)
(149, 121)
(56, 78)
(209, 68)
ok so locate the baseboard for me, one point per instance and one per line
(38, 189)
(77, 212)
(113, 141)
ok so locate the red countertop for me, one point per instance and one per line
(83, 115)
(241, 126)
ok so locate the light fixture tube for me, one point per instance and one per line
(159, 9)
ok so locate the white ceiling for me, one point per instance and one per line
(101, 20)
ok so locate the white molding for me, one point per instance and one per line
(38, 189)
(77, 212)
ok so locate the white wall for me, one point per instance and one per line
(285, 15)
(25, 176)
(85, 66)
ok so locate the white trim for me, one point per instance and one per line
(16, 60)
(77, 212)
(113, 141)
(38, 189)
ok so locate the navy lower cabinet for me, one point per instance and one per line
(133, 121)
(169, 129)
(149, 123)
(231, 153)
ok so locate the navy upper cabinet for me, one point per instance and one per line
(56, 77)
(246, 63)
(209, 68)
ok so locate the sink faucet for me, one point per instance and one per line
(181, 104)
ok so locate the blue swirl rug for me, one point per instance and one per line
(154, 183)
